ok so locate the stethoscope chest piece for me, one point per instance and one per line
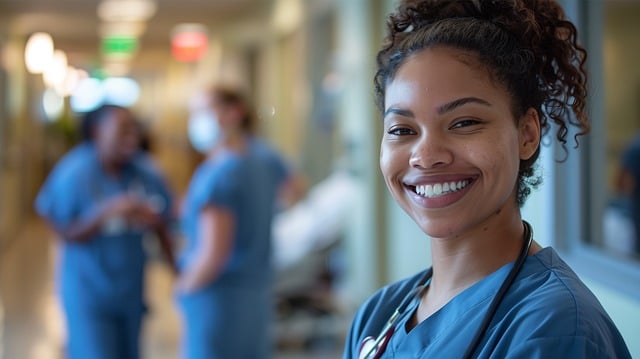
(372, 348)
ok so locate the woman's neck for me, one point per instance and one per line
(109, 166)
(235, 142)
(462, 261)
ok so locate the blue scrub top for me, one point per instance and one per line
(109, 267)
(547, 313)
(246, 184)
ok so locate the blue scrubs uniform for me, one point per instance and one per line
(100, 281)
(230, 318)
(547, 313)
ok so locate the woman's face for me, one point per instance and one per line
(118, 137)
(228, 115)
(451, 147)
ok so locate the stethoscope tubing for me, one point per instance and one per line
(383, 339)
(504, 288)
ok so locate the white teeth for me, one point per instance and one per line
(429, 191)
(440, 189)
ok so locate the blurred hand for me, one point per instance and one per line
(123, 205)
(134, 210)
(144, 214)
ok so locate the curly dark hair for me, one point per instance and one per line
(527, 46)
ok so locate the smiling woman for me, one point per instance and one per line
(462, 86)
(445, 136)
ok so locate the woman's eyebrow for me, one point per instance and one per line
(447, 107)
(398, 111)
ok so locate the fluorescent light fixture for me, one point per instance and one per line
(88, 95)
(287, 15)
(126, 10)
(121, 91)
(56, 71)
(52, 104)
(71, 81)
(92, 93)
(38, 52)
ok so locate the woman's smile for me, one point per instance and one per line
(440, 191)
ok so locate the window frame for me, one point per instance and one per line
(578, 182)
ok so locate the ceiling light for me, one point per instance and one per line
(38, 52)
(52, 104)
(71, 81)
(88, 95)
(121, 91)
(56, 71)
(287, 15)
(126, 10)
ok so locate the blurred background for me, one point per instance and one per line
(308, 65)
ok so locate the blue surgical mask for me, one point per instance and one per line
(203, 130)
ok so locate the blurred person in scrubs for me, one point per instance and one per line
(102, 198)
(628, 187)
(466, 89)
(225, 283)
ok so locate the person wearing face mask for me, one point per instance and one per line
(224, 288)
(465, 89)
(102, 198)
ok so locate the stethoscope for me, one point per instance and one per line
(373, 348)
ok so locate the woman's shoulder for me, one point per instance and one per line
(549, 302)
(78, 161)
(551, 282)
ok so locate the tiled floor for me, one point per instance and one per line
(33, 324)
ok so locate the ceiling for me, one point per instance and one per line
(74, 24)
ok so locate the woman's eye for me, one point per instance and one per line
(465, 123)
(400, 131)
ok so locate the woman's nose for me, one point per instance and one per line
(431, 151)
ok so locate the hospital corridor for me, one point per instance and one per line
(32, 321)
(186, 177)
(31, 315)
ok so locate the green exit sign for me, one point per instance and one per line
(119, 45)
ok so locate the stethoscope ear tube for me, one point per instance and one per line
(497, 299)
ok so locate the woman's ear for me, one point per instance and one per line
(529, 134)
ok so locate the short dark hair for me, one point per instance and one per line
(230, 96)
(92, 118)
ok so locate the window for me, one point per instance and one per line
(594, 197)
(621, 110)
